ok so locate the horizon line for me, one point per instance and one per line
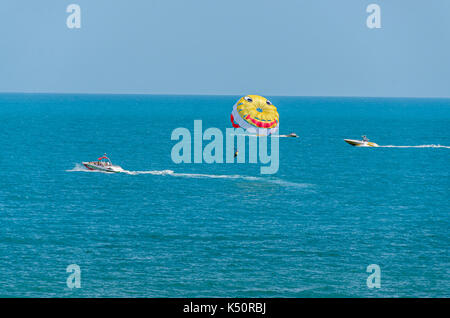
(211, 94)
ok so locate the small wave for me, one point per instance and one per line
(285, 183)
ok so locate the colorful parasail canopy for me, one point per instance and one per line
(256, 115)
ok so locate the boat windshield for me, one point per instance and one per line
(104, 161)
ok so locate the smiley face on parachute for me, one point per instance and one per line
(256, 114)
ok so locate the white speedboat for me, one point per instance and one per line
(361, 143)
(293, 135)
(102, 164)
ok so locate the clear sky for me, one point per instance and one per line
(276, 47)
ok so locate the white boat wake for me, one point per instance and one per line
(81, 168)
(418, 146)
(153, 172)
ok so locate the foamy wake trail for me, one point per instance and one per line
(277, 181)
(153, 172)
(215, 176)
(418, 146)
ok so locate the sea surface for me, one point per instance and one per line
(223, 230)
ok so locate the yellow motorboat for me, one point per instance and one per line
(361, 143)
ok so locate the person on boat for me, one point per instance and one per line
(365, 139)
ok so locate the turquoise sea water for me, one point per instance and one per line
(207, 230)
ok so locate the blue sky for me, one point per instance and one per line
(288, 47)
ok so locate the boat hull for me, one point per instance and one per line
(360, 143)
(94, 167)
